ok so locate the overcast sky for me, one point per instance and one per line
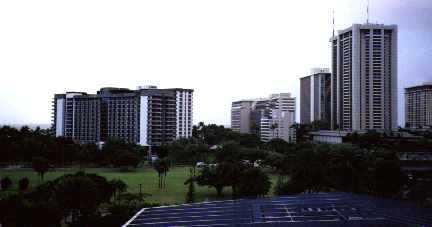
(225, 50)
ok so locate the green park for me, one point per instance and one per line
(144, 179)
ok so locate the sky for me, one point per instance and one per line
(225, 50)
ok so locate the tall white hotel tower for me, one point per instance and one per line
(364, 78)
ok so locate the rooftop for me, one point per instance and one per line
(425, 84)
(316, 209)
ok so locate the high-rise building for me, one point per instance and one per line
(240, 116)
(269, 118)
(315, 93)
(418, 106)
(147, 116)
(364, 78)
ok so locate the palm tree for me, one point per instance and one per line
(118, 186)
(41, 166)
(190, 195)
(162, 167)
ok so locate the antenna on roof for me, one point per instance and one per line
(333, 23)
(367, 12)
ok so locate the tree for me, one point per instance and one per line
(120, 211)
(254, 182)
(249, 140)
(388, 178)
(277, 145)
(41, 166)
(162, 151)
(210, 134)
(162, 167)
(74, 196)
(349, 168)
(222, 175)
(78, 195)
(308, 167)
(105, 191)
(371, 139)
(6, 183)
(23, 184)
(118, 186)
(126, 159)
(190, 195)
(229, 173)
(115, 146)
(230, 152)
(29, 212)
(211, 177)
(253, 155)
(320, 125)
(420, 192)
(288, 188)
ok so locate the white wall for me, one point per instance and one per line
(59, 117)
(143, 127)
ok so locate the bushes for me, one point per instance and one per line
(41, 166)
(289, 188)
(254, 182)
(75, 196)
(245, 181)
(190, 195)
(29, 212)
(126, 159)
(6, 183)
(23, 184)
(388, 178)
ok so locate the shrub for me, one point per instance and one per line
(23, 184)
(127, 158)
(6, 183)
(289, 188)
(254, 182)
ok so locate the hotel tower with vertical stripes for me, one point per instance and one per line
(364, 78)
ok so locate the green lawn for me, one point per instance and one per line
(174, 193)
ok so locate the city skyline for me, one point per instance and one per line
(215, 47)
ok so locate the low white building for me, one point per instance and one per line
(327, 136)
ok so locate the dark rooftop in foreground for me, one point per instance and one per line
(318, 209)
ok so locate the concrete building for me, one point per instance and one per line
(269, 118)
(418, 106)
(329, 137)
(315, 93)
(147, 116)
(240, 116)
(364, 78)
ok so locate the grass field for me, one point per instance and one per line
(146, 176)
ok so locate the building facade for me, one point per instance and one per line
(240, 116)
(268, 118)
(364, 78)
(147, 116)
(315, 93)
(329, 137)
(418, 106)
